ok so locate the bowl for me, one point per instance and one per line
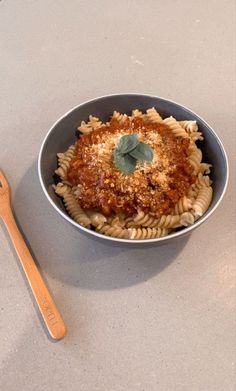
(63, 133)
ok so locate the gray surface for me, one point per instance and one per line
(153, 319)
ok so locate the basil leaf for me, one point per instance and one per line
(125, 163)
(142, 152)
(130, 150)
(127, 143)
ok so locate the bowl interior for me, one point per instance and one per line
(63, 134)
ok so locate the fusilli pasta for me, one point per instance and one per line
(189, 126)
(75, 211)
(186, 219)
(64, 162)
(120, 117)
(192, 130)
(202, 201)
(153, 116)
(145, 220)
(61, 189)
(137, 113)
(195, 157)
(183, 205)
(202, 181)
(146, 233)
(115, 231)
(91, 125)
(176, 128)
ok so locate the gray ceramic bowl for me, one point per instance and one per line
(63, 133)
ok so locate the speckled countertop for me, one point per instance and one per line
(157, 319)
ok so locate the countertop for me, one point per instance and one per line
(149, 319)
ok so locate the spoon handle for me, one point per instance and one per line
(52, 318)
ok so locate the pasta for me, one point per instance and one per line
(169, 191)
(205, 168)
(187, 218)
(202, 201)
(169, 221)
(153, 116)
(71, 204)
(62, 189)
(176, 128)
(91, 125)
(146, 233)
(64, 161)
(97, 219)
(183, 205)
(75, 210)
(143, 219)
(166, 221)
(195, 157)
(137, 113)
(203, 181)
(189, 126)
(115, 231)
(116, 221)
(120, 117)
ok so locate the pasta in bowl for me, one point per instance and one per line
(138, 174)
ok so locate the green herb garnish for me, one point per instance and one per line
(129, 151)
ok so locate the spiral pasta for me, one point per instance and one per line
(205, 168)
(97, 219)
(61, 189)
(91, 125)
(202, 201)
(169, 221)
(186, 219)
(116, 221)
(136, 114)
(202, 181)
(192, 193)
(64, 162)
(153, 116)
(120, 117)
(76, 190)
(129, 223)
(145, 220)
(196, 136)
(114, 231)
(195, 157)
(189, 126)
(142, 219)
(176, 128)
(183, 205)
(146, 233)
(139, 225)
(75, 211)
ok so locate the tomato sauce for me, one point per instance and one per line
(154, 187)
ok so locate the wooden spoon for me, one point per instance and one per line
(47, 307)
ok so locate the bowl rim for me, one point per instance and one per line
(178, 234)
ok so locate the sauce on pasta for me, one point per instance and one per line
(154, 187)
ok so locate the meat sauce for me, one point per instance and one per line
(154, 187)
